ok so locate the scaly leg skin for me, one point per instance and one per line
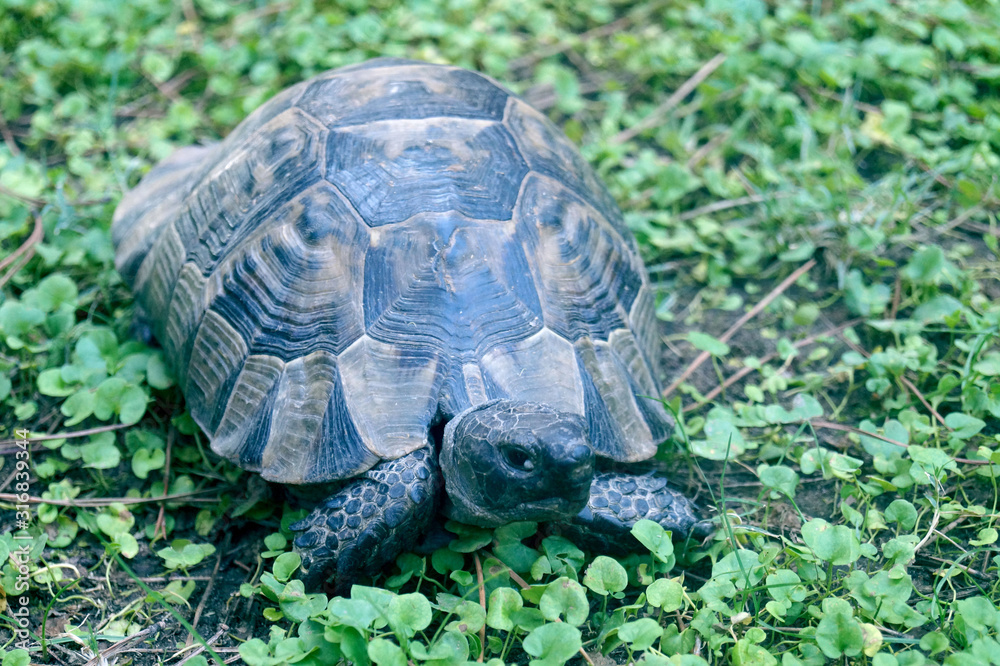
(370, 521)
(619, 501)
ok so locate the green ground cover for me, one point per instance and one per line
(845, 437)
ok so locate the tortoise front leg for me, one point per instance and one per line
(370, 521)
(619, 501)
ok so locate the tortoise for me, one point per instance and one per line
(398, 276)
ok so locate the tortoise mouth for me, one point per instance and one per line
(552, 508)
(487, 514)
(547, 510)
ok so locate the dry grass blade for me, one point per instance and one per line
(730, 203)
(930, 531)
(540, 54)
(223, 628)
(828, 425)
(125, 644)
(31, 201)
(746, 370)
(902, 378)
(961, 220)
(65, 435)
(660, 112)
(175, 84)
(920, 396)
(208, 588)
(161, 525)
(108, 501)
(482, 602)
(23, 253)
(754, 311)
(8, 138)
(980, 228)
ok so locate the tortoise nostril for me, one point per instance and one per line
(581, 453)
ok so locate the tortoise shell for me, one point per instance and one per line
(375, 250)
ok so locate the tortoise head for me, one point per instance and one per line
(505, 461)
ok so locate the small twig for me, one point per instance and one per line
(79, 503)
(27, 249)
(31, 201)
(59, 648)
(168, 91)
(41, 203)
(718, 98)
(265, 10)
(710, 145)
(175, 84)
(980, 228)
(7, 450)
(746, 370)
(960, 220)
(174, 96)
(148, 579)
(660, 112)
(897, 292)
(930, 532)
(730, 203)
(8, 138)
(938, 178)
(523, 584)
(66, 435)
(14, 472)
(482, 602)
(543, 97)
(862, 106)
(208, 588)
(888, 440)
(947, 528)
(160, 517)
(16, 268)
(223, 628)
(561, 47)
(220, 650)
(748, 187)
(777, 291)
(665, 267)
(828, 425)
(125, 643)
(956, 565)
(754, 311)
(187, 7)
(910, 385)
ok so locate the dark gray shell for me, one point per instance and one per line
(381, 246)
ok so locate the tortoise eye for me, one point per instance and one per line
(517, 457)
